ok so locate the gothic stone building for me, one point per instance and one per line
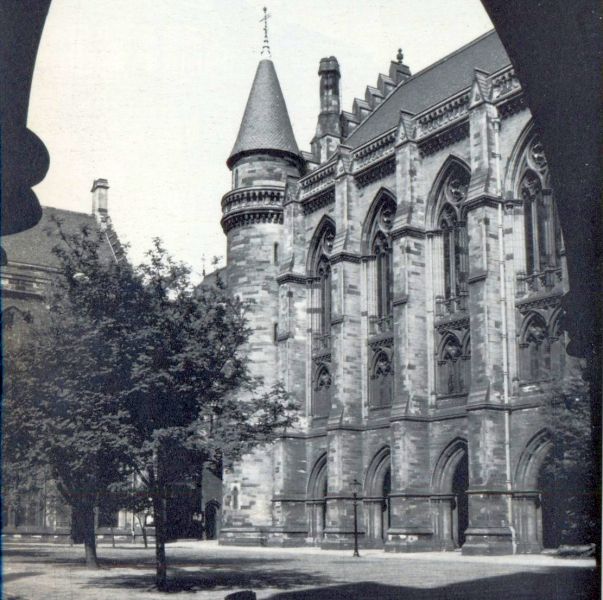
(405, 277)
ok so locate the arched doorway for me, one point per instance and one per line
(212, 520)
(549, 503)
(534, 498)
(450, 484)
(377, 488)
(316, 501)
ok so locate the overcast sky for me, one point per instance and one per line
(150, 95)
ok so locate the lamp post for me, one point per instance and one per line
(356, 486)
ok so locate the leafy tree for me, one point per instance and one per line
(157, 381)
(60, 412)
(569, 466)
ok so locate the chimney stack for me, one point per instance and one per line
(100, 200)
(328, 128)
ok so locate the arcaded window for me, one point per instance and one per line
(543, 243)
(378, 246)
(321, 313)
(451, 225)
(379, 243)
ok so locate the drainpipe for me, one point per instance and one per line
(505, 341)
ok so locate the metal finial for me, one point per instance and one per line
(266, 46)
(203, 263)
(400, 56)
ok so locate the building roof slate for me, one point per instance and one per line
(265, 124)
(34, 246)
(433, 84)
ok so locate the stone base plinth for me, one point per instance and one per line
(488, 541)
(287, 539)
(410, 540)
(341, 540)
(243, 537)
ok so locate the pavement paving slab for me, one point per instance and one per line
(205, 570)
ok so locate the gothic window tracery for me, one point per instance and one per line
(450, 223)
(381, 250)
(321, 315)
(454, 363)
(542, 230)
(321, 278)
(381, 379)
(322, 392)
(536, 350)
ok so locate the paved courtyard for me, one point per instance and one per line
(205, 570)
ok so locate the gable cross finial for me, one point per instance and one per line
(266, 46)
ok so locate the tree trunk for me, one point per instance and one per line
(159, 510)
(143, 529)
(86, 521)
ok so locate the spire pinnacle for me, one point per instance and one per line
(266, 46)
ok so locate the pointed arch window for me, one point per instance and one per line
(379, 244)
(324, 279)
(381, 380)
(535, 350)
(450, 223)
(454, 366)
(543, 243)
(320, 276)
(321, 404)
(384, 274)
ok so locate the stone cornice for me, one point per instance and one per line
(375, 171)
(345, 257)
(454, 322)
(292, 278)
(540, 301)
(482, 200)
(374, 150)
(252, 217)
(512, 105)
(399, 300)
(408, 231)
(457, 131)
(443, 114)
(318, 179)
(504, 84)
(252, 197)
(257, 204)
(319, 200)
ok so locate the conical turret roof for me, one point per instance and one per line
(266, 125)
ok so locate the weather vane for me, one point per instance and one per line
(266, 46)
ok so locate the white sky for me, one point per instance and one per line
(149, 94)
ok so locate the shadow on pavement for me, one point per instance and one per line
(577, 584)
(8, 577)
(212, 577)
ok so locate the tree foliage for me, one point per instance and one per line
(137, 373)
(569, 466)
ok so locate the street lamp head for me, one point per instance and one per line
(356, 485)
